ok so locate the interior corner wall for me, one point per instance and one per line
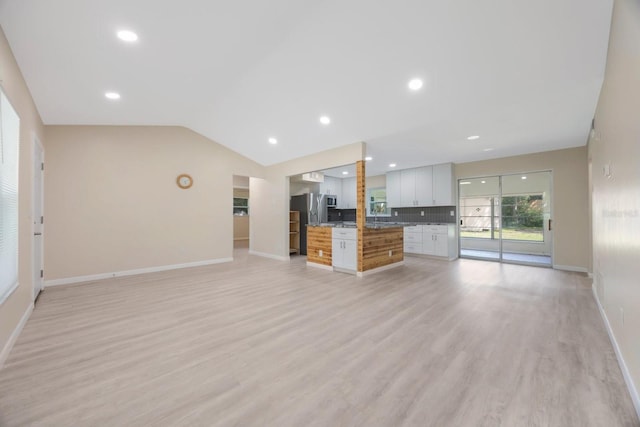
(614, 151)
(19, 302)
(112, 203)
(571, 248)
(269, 223)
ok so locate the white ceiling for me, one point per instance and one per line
(524, 75)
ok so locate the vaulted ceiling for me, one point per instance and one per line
(524, 76)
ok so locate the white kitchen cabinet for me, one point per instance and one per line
(331, 186)
(349, 200)
(433, 240)
(416, 187)
(443, 188)
(413, 239)
(344, 248)
(394, 188)
(424, 186)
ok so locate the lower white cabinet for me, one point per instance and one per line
(434, 240)
(344, 248)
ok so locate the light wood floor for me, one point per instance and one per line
(263, 342)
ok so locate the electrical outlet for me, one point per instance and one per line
(452, 213)
(391, 253)
(320, 253)
(421, 213)
(395, 213)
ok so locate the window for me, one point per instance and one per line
(479, 217)
(9, 141)
(377, 205)
(522, 217)
(240, 206)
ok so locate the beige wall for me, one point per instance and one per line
(112, 203)
(377, 181)
(13, 84)
(616, 199)
(269, 228)
(570, 197)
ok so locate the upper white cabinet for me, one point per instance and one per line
(443, 188)
(415, 187)
(424, 186)
(394, 189)
(331, 186)
(349, 200)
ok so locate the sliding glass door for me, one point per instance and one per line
(507, 218)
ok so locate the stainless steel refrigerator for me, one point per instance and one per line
(313, 210)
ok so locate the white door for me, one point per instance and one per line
(37, 217)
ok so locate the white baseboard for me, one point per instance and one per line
(15, 334)
(94, 277)
(570, 268)
(270, 256)
(320, 266)
(379, 269)
(635, 397)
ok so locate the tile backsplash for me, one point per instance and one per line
(441, 214)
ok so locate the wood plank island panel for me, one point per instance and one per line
(319, 239)
(376, 246)
(361, 210)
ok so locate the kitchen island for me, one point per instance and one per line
(346, 248)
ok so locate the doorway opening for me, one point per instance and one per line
(507, 218)
(241, 212)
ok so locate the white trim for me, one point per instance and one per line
(15, 334)
(635, 397)
(590, 275)
(101, 276)
(379, 269)
(266, 255)
(569, 268)
(320, 266)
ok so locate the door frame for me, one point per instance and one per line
(500, 176)
(37, 175)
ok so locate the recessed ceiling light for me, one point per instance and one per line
(524, 177)
(392, 165)
(368, 158)
(465, 182)
(112, 95)
(473, 137)
(483, 182)
(415, 84)
(273, 141)
(345, 173)
(127, 36)
(488, 149)
(325, 120)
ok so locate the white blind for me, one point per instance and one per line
(9, 141)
